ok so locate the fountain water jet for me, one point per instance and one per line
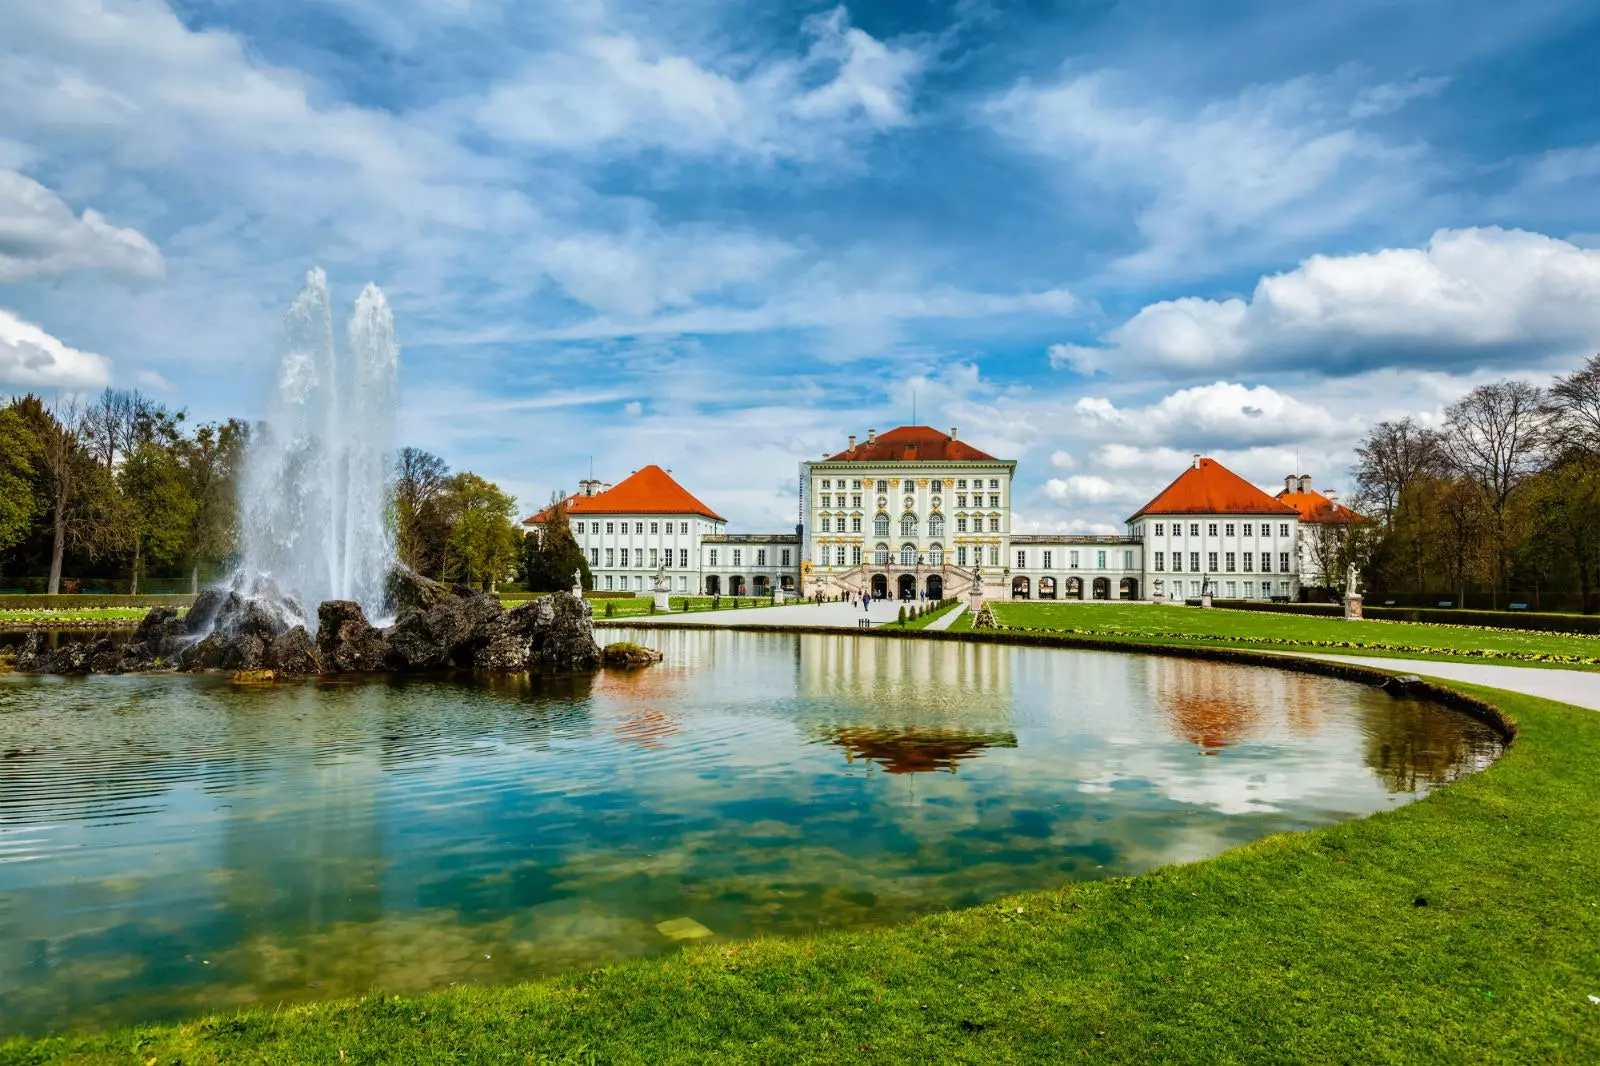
(317, 477)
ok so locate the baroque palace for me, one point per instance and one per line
(915, 513)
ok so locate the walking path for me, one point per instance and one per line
(831, 615)
(943, 621)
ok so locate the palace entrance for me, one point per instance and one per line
(935, 587)
(880, 587)
(908, 587)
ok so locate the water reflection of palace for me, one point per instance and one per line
(915, 751)
(1216, 705)
(928, 682)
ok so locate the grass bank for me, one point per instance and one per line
(1163, 624)
(1462, 928)
(74, 617)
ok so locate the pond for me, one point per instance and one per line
(170, 845)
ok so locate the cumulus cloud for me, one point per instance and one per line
(619, 91)
(1472, 297)
(1083, 488)
(1062, 460)
(33, 359)
(1221, 414)
(1273, 163)
(41, 237)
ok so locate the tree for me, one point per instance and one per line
(550, 554)
(120, 420)
(20, 502)
(1394, 456)
(1572, 407)
(156, 507)
(1493, 437)
(422, 480)
(483, 541)
(210, 464)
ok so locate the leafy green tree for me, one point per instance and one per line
(210, 463)
(550, 554)
(156, 508)
(421, 526)
(484, 542)
(20, 502)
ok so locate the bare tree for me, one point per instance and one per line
(421, 481)
(1393, 458)
(120, 420)
(1493, 438)
(1572, 406)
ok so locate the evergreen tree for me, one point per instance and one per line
(551, 555)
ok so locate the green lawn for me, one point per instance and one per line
(109, 617)
(925, 620)
(1462, 928)
(634, 606)
(1216, 627)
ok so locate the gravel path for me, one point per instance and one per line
(1578, 687)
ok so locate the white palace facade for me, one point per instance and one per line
(915, 513)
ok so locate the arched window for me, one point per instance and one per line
(880, 526)
(908, 525)
(936, 554)
(936, 525)
(880, 554)
(908, 555)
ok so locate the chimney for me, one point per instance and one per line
(1197, 460)
(872, 435)
(1288, 483)
(952, 432)
(1305, 484)
(1333, 497)
(852, 442)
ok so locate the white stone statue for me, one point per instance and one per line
(662, 584)
(1352, 585)
(977, 579)
(577, 583)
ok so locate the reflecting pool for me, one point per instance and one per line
(176, 844)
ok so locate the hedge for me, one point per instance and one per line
(71, 602)
(1544, 623)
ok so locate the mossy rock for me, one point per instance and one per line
(253, 677)
(626, 654)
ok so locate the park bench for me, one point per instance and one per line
(1388, 603)
(1517, 606)
(1447, 603)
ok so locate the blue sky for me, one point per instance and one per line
(1095, 236)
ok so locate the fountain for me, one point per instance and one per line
(317, 478)
(318, 587)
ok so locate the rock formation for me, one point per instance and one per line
(436, 628)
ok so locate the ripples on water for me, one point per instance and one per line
(176, 844)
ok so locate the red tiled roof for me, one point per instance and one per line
(911, 443)
(1315, 507)
(1211, 488)
(647, 491)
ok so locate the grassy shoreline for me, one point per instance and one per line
(1463, 927)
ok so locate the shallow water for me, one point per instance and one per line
(176, 844)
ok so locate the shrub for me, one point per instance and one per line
(611, 609)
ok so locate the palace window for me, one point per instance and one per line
(994, 524)
(1022, 559)
(838, 555)
(994, 556)
(855, 524)
(761, 557)
(1266, 562)
(1160, 529)
(786, 556)
(611, 557)
(880, 555)
(961, 484)
(1161, 561)
(937, 486)
(961, 501)
(936, 525)
(579, 528)
(961, 555)
(1127, 560)
(1283, 529)
(908, 525)
(1228, 559)
(638, 527)
(1283, 562)
(1100, 560)
(1228, 529)
(1247, 527)
(683, 556)
(713, 557)
(855, 556)
(1072, 560)
(936, 555)
(827, 501)
(883, 486)
(1194, 529)
(1211, 562)
(961, 524)
(827, 524)
(655, 558)
(1177, 563)
(994, 501)
(1047, 555)
(856, 484)
(683, 527)
(880, 526)
(737, 553)
(994, 483)
(855, 501)
(624, 556)
(1249, 561)
(908, 555)
(827, 484)
(594, 556)
(1211, 529)
(1249, 590)
(655, 527)
(610, 527)
(608, 582)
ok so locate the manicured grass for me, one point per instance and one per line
(1217, 627)
(1462, 928)
(109, 617)
(634, 606)
(923, 622)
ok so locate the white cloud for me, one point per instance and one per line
(1083, 488)
(1219, 414)
(1471, 297)
(152, 379)
(33, 359)
(1273, 164)
(616, 90)
(41, 237)
(633, 409)
(1062, 460)
(1388, 98)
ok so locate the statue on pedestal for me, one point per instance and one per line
(577, 583)
(1352, 582)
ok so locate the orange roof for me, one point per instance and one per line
(1315, 507)
(1208, 487)
(647, 491)
(911, 443)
